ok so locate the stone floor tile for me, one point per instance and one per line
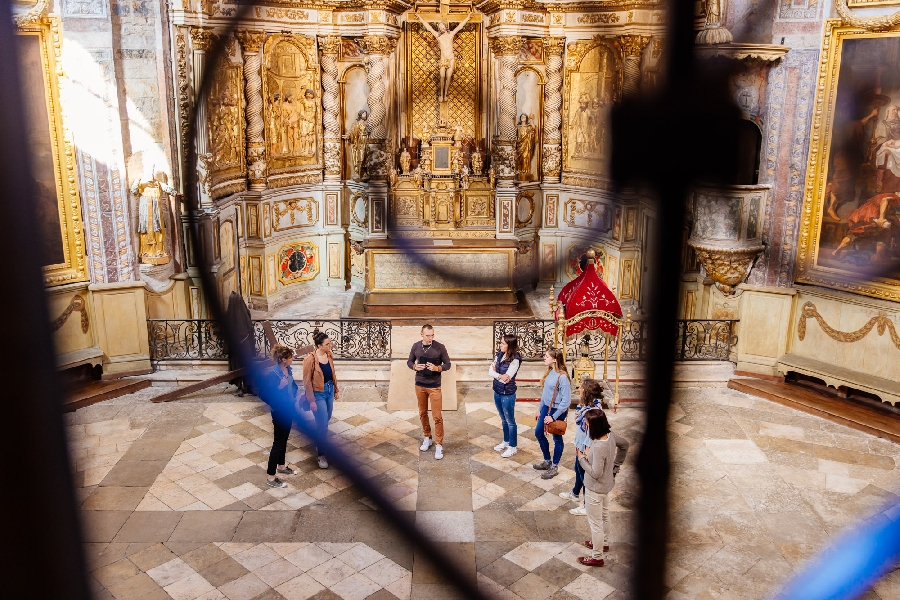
(189, 588)
(331, 572)
(102, 526)
(588, 588)
(446, 526)
(207, 526)
(134, 473)
(557, 572)
(301, 587)
(385, 572)
(316, 525)
(503, 572)
(204, 556)
(532, 587)
(382, 594)
(115, 573)
(114, 498)
(274, 526)
(402, 588)
(151, 526)
(461, 553)
(137, 587)
(277, 572)
(355, 587)
(308, 557)
(244, 588)
(735, 452)
(223, 571)
(153, 556)
(170, 572)
(256, 557)
(359, 556)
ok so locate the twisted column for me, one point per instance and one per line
(632, 46)
(251, 44)
(329, 46)
(506, 49)
(552, 155)
(378, 48)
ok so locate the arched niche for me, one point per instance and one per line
(529, 102)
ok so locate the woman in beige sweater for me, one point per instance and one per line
(601, 462)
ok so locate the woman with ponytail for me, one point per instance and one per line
(555, 401)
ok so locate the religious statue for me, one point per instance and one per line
(448, 57)
(492, 176)
(426, 161)
(456, 162)
(477, 163)
(275, 121)
(457, 133)
(290, 118)
(358, 137)
(392, 177)
(526, 134)
(579, 126)
(308, 124)
(417, 176)
(150, 217)
(405, 159)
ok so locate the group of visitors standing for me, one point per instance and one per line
(599, 452)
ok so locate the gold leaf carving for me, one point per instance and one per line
(809, 311)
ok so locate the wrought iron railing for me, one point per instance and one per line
(698, 339)
(200, 339)
(351, 339)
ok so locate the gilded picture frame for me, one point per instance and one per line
(839, 246)
(53, 156)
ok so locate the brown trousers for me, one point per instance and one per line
(423, 395)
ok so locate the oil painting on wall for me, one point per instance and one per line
(852, 240)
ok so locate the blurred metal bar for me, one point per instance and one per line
(40, 523)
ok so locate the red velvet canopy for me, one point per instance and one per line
(589, 292)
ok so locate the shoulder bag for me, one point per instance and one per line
(555, 427)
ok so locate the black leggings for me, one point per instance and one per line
(279, 445)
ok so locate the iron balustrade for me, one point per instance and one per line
(203, 339)
(698, 339)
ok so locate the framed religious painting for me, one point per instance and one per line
(850, 232)
(56, 202)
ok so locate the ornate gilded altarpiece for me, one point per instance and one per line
(423, 58)
(850, 231)
(57, 202)
(225, 130)
(593, 83)
(291, 97)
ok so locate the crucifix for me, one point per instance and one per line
(444, 36)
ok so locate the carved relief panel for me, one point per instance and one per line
(292, 105)
(295, 212)
(587, 214)
(593, 84)
(225, 129)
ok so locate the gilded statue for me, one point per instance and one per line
(580, 126)
(457, 133)
(526, 134)
(477, 163)
(405, 159)
(492, 176)
(456, 162)
(151, 224)
(358, 138)
(307, 117)
(444, 37)
(289, 120)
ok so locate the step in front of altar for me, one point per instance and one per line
(439, 304)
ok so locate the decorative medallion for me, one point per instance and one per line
(298, 262)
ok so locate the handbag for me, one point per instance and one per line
(555, 427)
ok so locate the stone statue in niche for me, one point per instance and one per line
(275, 122)
(358, 138)
(526, 135)
(477, 163)
(405, 159)
(444, 37)
(307, 141)
(151, 223)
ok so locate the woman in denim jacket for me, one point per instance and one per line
(555, 401)
(591, 397)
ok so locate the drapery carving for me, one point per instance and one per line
(552, 154)
(251, 44)
(882, 322)
(330, 45)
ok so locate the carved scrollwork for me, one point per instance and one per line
(726, 267)
(307, 207)
(882, 322)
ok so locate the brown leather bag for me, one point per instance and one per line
(555, 427)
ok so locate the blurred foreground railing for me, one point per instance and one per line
(203, 339)
(698, 339)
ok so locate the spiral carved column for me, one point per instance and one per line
(552, 161)
(506, 49)
(329, 46)
(378, 49)
(251, 44)
(632, 46)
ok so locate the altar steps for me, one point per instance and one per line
(83, 393)
(444, 308)
(879, 421)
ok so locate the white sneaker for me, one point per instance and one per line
(570, 496)
(509, 452)
(426, 444)
(501, 447)
(578, 511)
(438, 452)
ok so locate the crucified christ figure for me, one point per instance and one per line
(448, 58)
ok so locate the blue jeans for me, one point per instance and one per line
(506, 406)
(324, 408)
(579, 478)
(558, 444)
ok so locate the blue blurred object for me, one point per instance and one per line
(852, 563)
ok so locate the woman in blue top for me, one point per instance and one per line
(503, 372)
(591, 397)
(555, 400)
(281, 396)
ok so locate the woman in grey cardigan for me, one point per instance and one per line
(601, 462)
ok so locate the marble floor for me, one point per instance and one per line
(174, 503)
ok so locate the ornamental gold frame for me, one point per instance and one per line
(817, 172)
(74, 265)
